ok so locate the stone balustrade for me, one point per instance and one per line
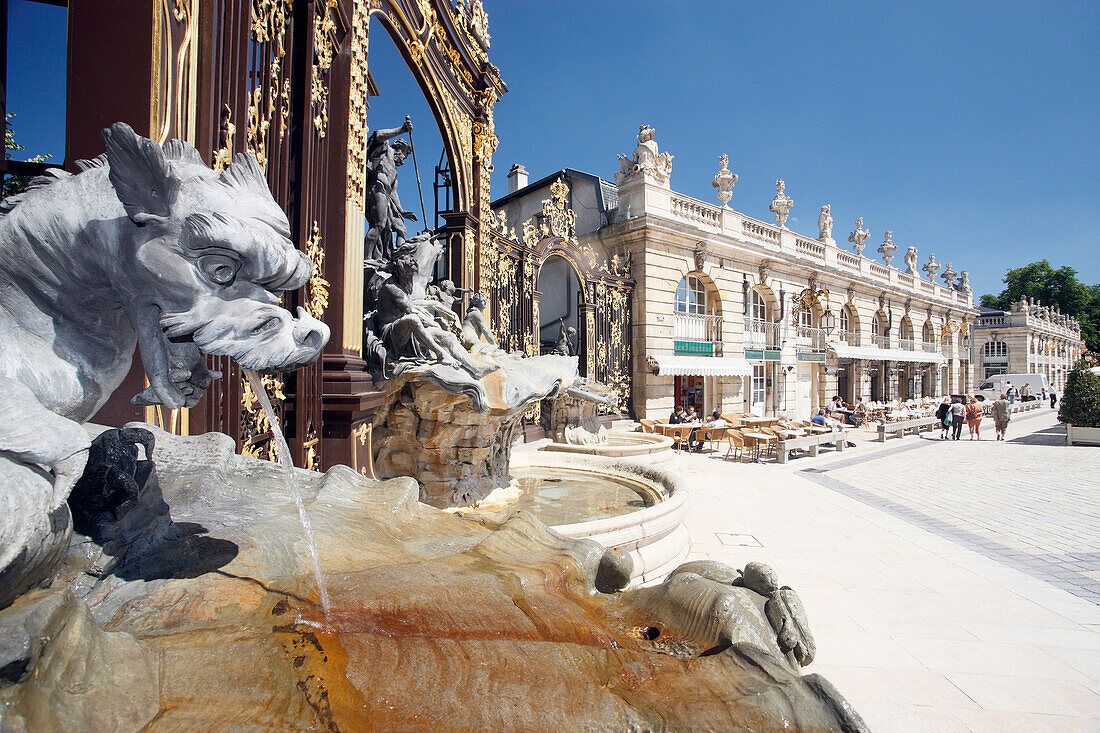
(728, 222)
(846, 259)
(684, 207)
(815, 250)
(760, 231)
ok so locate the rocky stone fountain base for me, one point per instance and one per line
(437, 623)
(458, 445)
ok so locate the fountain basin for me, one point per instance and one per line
(644, 447)
(652, 532)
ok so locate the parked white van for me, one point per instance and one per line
(996, 385)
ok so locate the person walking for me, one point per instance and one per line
(943, 414)
(1053, 399)
(1001, 413)
(1011, 393)
(1025, 392)
(974, 418)
(958, 417)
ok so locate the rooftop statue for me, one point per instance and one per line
(724, 181)
(825, 224)
(932, 266)
(781, 204)
(385, 216)
(911, 261)
(647, 160)
(949, 275)
(859, 237)
(963, 286)
(887, 248)
(146, 247)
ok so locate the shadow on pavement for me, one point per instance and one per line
(1054, 435)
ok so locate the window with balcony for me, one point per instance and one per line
(848, 334)
(907, 342)
(696, 330)
(876, 332)
(760, 332)
(928, 334)
(809, 336)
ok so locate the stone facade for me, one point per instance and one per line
(750, 298)
(1029, 338)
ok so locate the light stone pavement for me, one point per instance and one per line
(950, 585)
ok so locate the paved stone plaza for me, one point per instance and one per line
(952, 586)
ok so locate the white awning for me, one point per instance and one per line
(874, 353)
(699, 366)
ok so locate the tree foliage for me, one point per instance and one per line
(1061, 288)
(1081, 398)
(16, 184)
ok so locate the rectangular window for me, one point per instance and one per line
(757, 384)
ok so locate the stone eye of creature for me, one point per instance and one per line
(218, 268)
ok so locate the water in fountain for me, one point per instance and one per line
(283, 451)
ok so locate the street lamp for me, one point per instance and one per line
(828, 321)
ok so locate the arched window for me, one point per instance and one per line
(876, 326)
(691, 296)
(845, 320)
(927, 334)
(757, 308)
(906, 329)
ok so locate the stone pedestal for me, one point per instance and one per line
(456, 452)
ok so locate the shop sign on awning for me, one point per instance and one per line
(675, 365)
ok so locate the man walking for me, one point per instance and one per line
(1000, 416)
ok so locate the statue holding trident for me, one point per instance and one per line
(386, 230)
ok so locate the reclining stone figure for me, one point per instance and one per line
(146, 247)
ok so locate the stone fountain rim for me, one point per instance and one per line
(644, 444)
(673, 487)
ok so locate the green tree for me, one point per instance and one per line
(16, 184)
(1081, 398)
(1061, 288)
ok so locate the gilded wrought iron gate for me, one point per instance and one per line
(271, 63)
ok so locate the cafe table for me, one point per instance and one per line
(757, 439)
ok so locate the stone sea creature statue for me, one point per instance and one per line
(146, 247)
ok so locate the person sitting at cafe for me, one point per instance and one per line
(678, 417)
(859, 413)
(715, 421)
(819, 418)
(691, 416)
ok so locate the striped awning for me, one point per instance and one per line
(873, 353)
(699, 366)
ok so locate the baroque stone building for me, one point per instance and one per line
(738, 314)
(1029, 338)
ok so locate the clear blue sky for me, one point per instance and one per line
(969, 129)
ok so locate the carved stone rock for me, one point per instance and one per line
(455, 435)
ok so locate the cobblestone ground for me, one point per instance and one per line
(1029, 502)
